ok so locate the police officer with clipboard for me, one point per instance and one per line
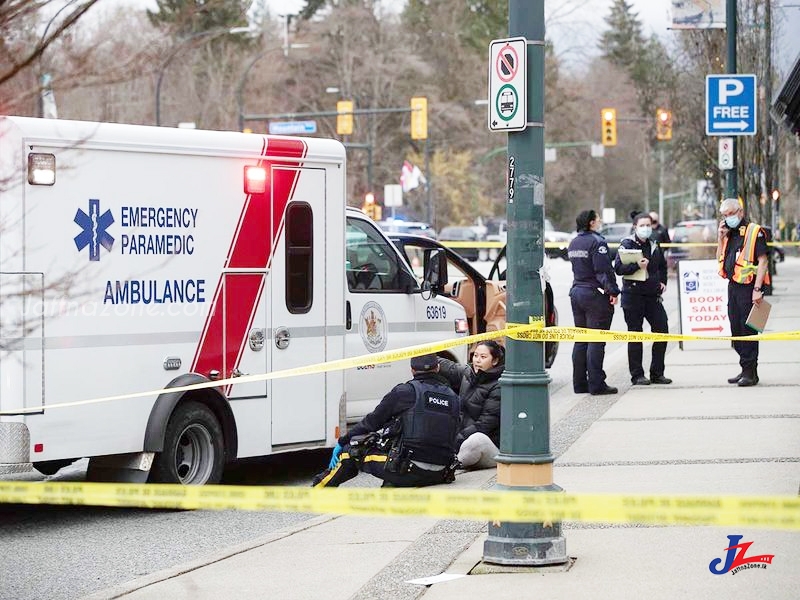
(643, 283)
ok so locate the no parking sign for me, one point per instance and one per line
(507, 85)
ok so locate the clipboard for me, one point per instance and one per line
(759, 313)
(630, 256)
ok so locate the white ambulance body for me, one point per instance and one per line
(138, 258)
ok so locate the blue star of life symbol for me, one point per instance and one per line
(94, 232)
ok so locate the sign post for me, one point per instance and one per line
(525, 461)
(507, 84)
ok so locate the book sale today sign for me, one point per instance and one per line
(703, 299)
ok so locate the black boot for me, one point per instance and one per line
(748, 377)
(737, 378)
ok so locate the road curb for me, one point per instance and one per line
(123, 589)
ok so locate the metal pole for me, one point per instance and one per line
(164, 66)
(243, 80)
(177, 49)
(369, 166)
(525, 461)
(661, 184)
(730, 16)
(428, 198)
(41, 73)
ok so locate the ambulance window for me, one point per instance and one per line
(371, 263)
(299, 258)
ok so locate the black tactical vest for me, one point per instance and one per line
(430, 427)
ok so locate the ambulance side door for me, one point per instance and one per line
(381, 307)
(297, 298)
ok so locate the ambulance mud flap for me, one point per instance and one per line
(120, 468)
(166, 403)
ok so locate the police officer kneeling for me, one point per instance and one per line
(409, 440)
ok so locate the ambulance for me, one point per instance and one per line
(138, 258)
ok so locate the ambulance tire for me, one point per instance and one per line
(194, 450)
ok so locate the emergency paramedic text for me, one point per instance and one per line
(159, 217)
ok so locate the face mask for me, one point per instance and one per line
(732, 221)
(644, 232)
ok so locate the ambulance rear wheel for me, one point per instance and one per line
(193, 448)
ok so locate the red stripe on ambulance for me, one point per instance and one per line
(225, 332)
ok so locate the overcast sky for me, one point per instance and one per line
(575, 35)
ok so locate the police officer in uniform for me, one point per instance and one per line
(593, 295)
(643, 299)
(742, 258)
(660, 233)
(409, 440)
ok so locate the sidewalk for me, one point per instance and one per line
(698, 435)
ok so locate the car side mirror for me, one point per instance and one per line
(435, 270)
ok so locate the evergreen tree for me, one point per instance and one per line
(187, 17)
(622, 43)
(644, 60)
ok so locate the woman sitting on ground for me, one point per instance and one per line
(478, 387)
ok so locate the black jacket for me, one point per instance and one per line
(660, 234)
(591, 263)
(656, 268)
(401, 398)
(480, 398)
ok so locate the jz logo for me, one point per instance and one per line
(736, 561)
(436, 312)
(94, 226)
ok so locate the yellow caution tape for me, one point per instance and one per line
(334, 365)
(534, 332)
(579, 334)
(766, 512)
(476, 244)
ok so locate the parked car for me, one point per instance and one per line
(461, 235)
(701, 231)
(556, 237)
(614, 232)
(497, 231)
(483, 298)
(413, 227)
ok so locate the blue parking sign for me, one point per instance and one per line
(730, 104)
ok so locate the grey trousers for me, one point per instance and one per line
(478, 452)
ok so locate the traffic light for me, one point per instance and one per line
(663, 124)
(419, 118)
(608, 117)
(344, 120)
(370, 207)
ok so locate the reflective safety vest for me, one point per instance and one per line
(746, 264)
(430, 427)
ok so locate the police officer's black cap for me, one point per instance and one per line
(426, 362)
